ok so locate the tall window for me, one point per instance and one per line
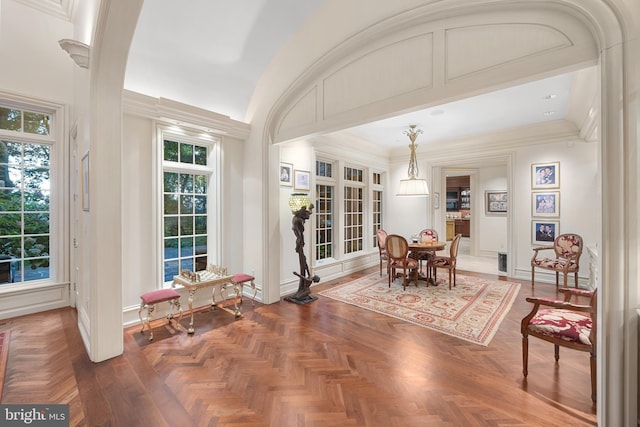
(25, 193)
(377, 206)
(186, 189)
(353, 210)
(324, 210)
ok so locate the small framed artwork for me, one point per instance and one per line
(545, 203)
(545, 175)
(496, 202)
(85, 182)
(544, 232)
(286, 174)
(301, 180)
(436, 200)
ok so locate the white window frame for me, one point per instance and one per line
(213, 168)
(332, 182)
(58, 199)
(339, 184)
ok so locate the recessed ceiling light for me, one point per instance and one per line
(549, 113)
(551, 96)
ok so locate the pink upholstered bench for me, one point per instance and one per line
(149, 301)
(242, 278)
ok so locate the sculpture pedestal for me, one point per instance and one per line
(303, 296)
(301, 301)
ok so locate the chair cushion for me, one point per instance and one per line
(408, 263)
(441, 261)
(242, 277)
(555, 264)
(160, 295)
(562, 324)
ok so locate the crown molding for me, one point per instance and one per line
(176, 113)
(59, 8)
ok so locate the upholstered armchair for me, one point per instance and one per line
(382, 241)
(397, 251)
(567, 250)
(447, 262)
(564, 324)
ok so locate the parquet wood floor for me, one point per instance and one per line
(320, 364)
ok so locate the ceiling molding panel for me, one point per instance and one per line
(427, 62)
(346, 89)
(58, 8)
(505, 43)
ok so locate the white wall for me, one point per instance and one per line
(580, 197)
(139, 270)
(579, 201)
(46, 72)
(490, 232)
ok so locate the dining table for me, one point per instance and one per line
(431, 247)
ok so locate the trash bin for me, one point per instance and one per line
(502, 261)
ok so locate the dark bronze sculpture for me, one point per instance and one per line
(303, 295)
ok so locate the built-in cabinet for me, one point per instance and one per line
(463, 227)
(451, 230)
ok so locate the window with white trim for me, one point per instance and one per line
(376, 207)
(26, 194)
(325, 189)
(353, 210)
(188, 217)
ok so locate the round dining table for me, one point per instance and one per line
(431, 247)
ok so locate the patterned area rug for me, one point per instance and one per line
(472, 311)
(5, 337)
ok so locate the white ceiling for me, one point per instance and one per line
(212, 54)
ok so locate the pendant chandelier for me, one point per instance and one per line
(413, 186)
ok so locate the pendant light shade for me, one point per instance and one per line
(413, 186)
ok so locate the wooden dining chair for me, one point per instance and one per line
(382, 248)
(397, 258)
(447, 262)
(564, 324)
(567, 249)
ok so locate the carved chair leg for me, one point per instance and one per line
(525, 355)
(593, 377)
(532, 275)
(449, 279)
(576, 279)
(556, 351)
(557, 279)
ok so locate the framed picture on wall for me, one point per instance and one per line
(546, 204)
(286, 174)
(301, 180)
(495, 202)
(544, 232)
(545, 175)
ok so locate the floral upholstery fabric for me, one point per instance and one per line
(555, 264)
(568, 245)
(441, 261)
(408, 263)
(562, 324)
